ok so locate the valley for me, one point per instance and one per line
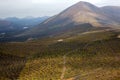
(80, 43)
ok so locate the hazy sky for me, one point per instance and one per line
(37, 8)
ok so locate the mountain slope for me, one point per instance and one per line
(13, 26)
(90, 56)
(81, 17)
(76, 15)
(82, 12)
(7, 26)
(27, 21)
(112, 12)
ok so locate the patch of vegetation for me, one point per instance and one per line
(93, 56)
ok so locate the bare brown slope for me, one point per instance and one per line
(80, 13)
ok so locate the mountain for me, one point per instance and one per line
(6, 26)
(82, 12)
(79, 18)
(112, 12)
(13, 26)
(13, 23)
(76, 15)
(72, 47)
(27, 21)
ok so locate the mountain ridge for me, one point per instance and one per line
(73, 20)
(77, 14)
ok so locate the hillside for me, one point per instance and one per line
(112, 12)
(76, 15)
(27, 21)
(5, 26)
(80, 43)
(92, 55)
(12, 26)
(80, 17)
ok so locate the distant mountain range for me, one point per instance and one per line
(81, 17)
(27, 21)
(112, 12)
(77, 15)
(11, 25)
(14, 22)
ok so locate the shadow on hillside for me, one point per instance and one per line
(11, 66)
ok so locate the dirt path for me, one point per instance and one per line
(78, 77)
(64, 63)
(64, 68)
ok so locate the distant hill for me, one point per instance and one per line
(112, 12)
(12, 25)
(27, 21)
(80, 17)
(76, 15)
(6, 26)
